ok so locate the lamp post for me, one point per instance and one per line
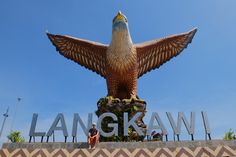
(4, 120)
(14, 115)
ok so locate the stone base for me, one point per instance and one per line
(214, 148)
(118, 107)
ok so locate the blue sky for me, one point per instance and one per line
(201, 78)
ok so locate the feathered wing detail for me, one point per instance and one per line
(91, 55)
(152, 54)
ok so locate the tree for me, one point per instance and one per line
(15, 137)
(230, 135)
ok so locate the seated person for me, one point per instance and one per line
(150, 137)
(93, 136)
(158, 137)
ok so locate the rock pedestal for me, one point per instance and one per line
(118, 107)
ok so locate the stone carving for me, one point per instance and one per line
(118, 108)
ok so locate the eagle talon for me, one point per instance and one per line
(132, 99)
(140, 101)
(127, 101)
(136, 99)
(116, 100)
(113, 100)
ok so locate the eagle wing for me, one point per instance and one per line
(91, 55)
(152, 54)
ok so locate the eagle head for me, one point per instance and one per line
(120, 22)
(120, 30)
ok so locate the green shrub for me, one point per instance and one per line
(230, 135)
(15, 137)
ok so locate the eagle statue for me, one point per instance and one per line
(121, 62)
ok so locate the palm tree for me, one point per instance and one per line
(230, 135)
(15, 137)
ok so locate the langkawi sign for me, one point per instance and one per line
(176, 127)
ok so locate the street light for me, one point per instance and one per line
(14, 115)
(4, 120)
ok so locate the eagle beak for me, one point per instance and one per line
(119, 16)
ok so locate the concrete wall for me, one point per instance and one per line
(216, 148)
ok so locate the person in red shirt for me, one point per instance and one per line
(93, 136)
